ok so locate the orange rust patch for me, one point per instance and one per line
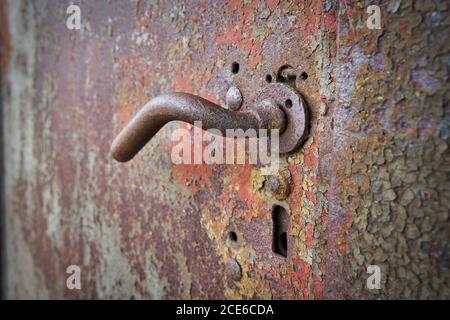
(302, 276)
(296, 187)
(309, 236)
(132, 95)
(272, 4)
(241, 34)
(310, 25)
(330, 22)
(183, 80)
(310, 159)
(192, 176)
(5, 38)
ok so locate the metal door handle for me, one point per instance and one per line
(189, 108)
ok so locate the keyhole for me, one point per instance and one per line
(233, 236)
(280, 220)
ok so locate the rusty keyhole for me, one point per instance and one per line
(280, 220)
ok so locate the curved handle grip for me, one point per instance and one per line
(189, 108)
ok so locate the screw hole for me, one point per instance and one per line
(288, 103)
(303, 75)
(268, 78)
(233, 236)
(234, 67)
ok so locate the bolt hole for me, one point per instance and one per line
(233, 236)
(268, 78)
(234, 67)
(280, 220)
(288, 103)
(303, 75)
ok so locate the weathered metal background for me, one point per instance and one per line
(369, 186)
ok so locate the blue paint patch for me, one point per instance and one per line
(444, 128)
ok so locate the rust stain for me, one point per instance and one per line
(5, 40)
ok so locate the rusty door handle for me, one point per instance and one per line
(189, 108)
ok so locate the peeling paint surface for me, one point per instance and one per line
(369, 186)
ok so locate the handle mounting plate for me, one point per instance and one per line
(297, 117)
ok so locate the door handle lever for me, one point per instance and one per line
(190, 108)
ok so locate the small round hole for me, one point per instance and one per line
(268, 78)
(233, 236)
(303, 75)
(288, 103)
(235, 67)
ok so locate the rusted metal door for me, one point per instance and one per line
(369, 186)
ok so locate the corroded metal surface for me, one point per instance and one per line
(369, 185)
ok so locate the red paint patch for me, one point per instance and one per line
(5, 39)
